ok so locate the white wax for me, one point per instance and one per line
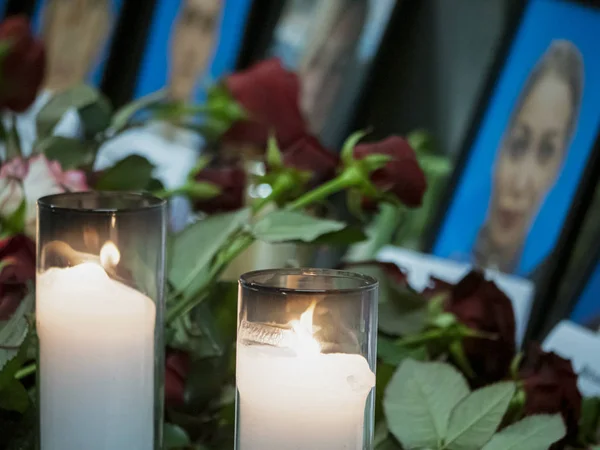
(96, 361)
(301, 402)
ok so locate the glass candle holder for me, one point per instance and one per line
(306, 354)
(99, 319)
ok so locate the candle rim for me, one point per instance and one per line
(66, 202)
(249, 281)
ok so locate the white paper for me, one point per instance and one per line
(582, 347)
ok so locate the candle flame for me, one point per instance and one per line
(109, 255)
(305, 343)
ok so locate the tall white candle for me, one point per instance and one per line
(96, 361)
(297, 398)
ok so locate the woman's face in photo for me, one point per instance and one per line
(322, 76)
(75, 31)
(530, 159)
(193, 41)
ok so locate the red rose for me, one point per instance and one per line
(436, 286)
(23, 65)
(17, 266)
(480, 305)
(551, 387)
(270, 95)
(176, 373)
(231, 181)
(308, 155)
(402, 175)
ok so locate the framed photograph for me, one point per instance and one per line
(190, 43)
(77, 35)
(525, 161)
(332, 46)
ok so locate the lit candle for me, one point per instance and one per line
(96, 359)
(294, 397)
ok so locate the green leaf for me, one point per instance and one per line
(375, 161)
(202, 190)
(383, 375)
(175, 437)
(589, 424)
(15, 223)
(195, 247)
(418, 402)
(12, 335)
(354, 200)
(201, 164)
(274, 158)
(347, 236)
(380, 232)
(209, 330)
(422, 142)
(531, 433)
(404, 313)
(70, 153)
(122, 117)
(77, 97)
(14, 397)
(283, 226)
(130, 174)
(347, 153)
(205, 382)
(477, 417)
(393, 354)
(96, 116)
(388, 444)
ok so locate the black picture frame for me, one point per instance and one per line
(551, 274)
(514, 20)
(479, 117)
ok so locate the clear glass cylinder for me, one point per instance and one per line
(99, 319)
(306, 356)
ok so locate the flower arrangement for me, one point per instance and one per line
(435, 346)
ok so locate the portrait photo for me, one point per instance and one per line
(191, 42)
(333, 63)
(77, 35)
(524, 165)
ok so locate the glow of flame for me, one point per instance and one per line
(304, 342)
(109, 255)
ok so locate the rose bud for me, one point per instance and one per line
(17, 266)
(308, 155)
(270, 96)
(481, 306)
(550, 386)
(401, 175)
(232, 183)
(176, 373)
(23, 65)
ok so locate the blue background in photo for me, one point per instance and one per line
(2, 6)
(543, 22)
(155, 64)
(95, 77)
(588, 306)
